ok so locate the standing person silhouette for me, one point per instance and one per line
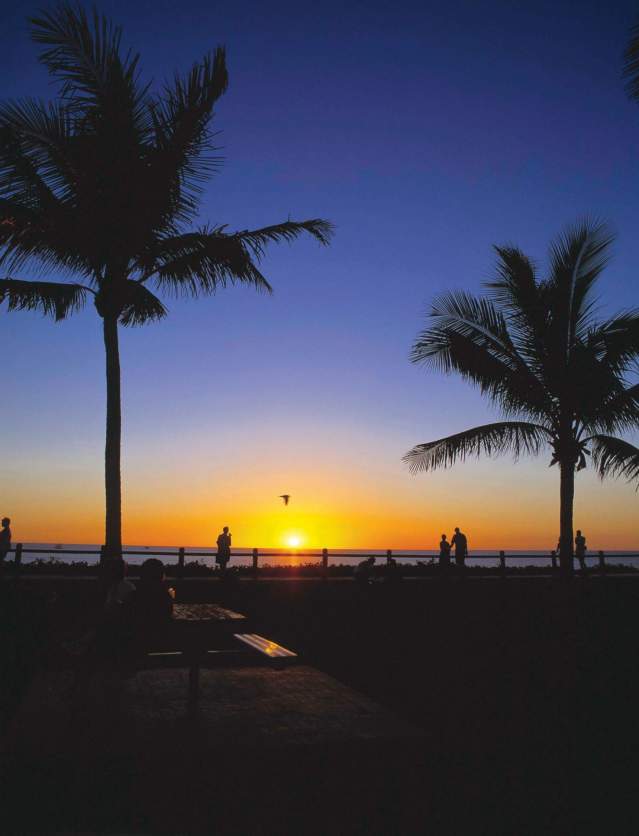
(461, 549)
(580, 550)
(223, 549)
(5, 539)
(444, 555)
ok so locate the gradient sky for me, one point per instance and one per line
(426, 132)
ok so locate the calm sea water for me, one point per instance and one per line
(277, 557)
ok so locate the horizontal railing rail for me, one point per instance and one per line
(382, 553)
(320, 556)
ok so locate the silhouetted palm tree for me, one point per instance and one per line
(631, 64)
(103, 184)
(536, 350)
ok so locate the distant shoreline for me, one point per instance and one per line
(310, 550)
(73, 559)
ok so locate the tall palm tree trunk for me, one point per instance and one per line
(567, 496)
(113, 534)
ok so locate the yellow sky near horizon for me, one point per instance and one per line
(510, 507)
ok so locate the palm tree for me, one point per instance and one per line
(103, 184)
(536, 350)
(631, 64)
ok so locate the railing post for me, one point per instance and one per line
(602, 563)
(18, 559)
(553, 557)
(389, 556)
(180, 571)
(255, 563)
(502, 563)
(102, 555)
(324, 563)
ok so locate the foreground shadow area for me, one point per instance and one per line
(267, 751)
(478, 708)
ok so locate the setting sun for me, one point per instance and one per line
(293, 540)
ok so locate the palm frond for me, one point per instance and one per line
(257, 239)
(619, 412)
(14, 217)
(595, 385)
(471, 337)
(631, 64)
(46, 238)
(615, 457)
(616, 341)
(98, 83)
(578, 256)
(37, 132)
(514, 437)
(515, 287)
(20, 177)
(461, 313)
(516, 291)
(200, 262)
(141, 306)
(54, 299)
(181, 136)
(81, 53)
(598, 395)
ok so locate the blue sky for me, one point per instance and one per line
(427, 133)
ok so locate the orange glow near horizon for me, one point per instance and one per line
(509, 507)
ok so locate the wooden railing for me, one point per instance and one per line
(181, 553)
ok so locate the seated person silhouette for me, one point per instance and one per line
(364, 571)
(151, 609)
(115, 629)
(119, 589)
(112, 631)
(153, 604)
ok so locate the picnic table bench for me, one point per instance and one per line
(197, 627)
(265, 646)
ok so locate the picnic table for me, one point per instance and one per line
(200, 628)
(205, 613)
(200, 638)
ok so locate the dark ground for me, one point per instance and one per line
(525, 691)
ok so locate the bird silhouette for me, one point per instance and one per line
(285, 497)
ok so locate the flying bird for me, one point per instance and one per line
(285, 497)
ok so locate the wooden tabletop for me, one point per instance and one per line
(205, 612)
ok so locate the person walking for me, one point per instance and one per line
(223, 549)
(5, 539)
(444, 555)
(580, 550)
(460, 541)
